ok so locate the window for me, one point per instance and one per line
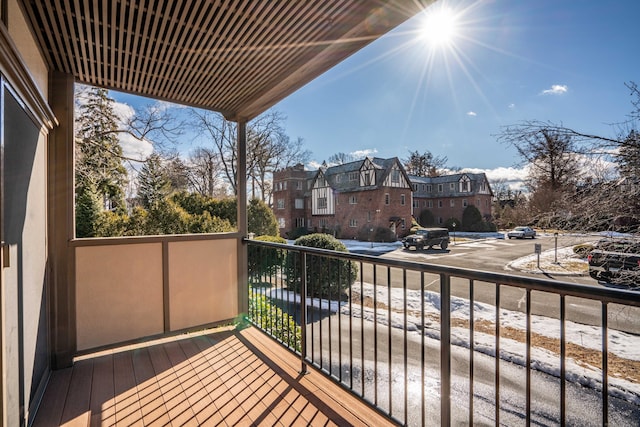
(386, 199)
(284, 185)
(483, 186)
(452, 186)
(353, 176)
(429, 188)
(464, 202)
(478, 202)
(395, 176)
(299, 203)
(353, 200)
(430, 203)
(452, 203)
(280, 203)
(439, 203)
(440, 220)
(465, 184)
(298, 185)
(415, 187)
(402, 199)
(353, 223)
(281, 222)
(369, 216)
(416, 203)
(299, 222)
(322, 223)
(402, 225)
(322, 203)
(440, 188)
(339, 178)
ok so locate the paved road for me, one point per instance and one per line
(493, 255)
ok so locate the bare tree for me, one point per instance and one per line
(341, 159)
(425, 164)
(204, 171)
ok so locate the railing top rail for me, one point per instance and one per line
(608, 295)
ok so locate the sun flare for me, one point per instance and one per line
(440, 27)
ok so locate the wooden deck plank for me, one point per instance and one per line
(233, 377)
(103, 403)
(154, 411)
(126, 395)
(76, 408)
(50, 411)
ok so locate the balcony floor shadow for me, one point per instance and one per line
(224, 376)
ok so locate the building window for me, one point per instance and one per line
(402, 199)
(440, 188)
(322, 203)
(478, 202)
(402, 224)
(281, 222)
(440, 220)
(322, 223)
(353, 200)
(439, 203)
(280, 203)
(369, 216)
(415, 187)
(284, 185)
(299, 203)
(464, 202)
(353, 223)
(299, 222)
(353, 176)
(298, 185)
(452, 203)
(429, 188)
(395, 176)
(416, 203)
(430, 203)
(386, 198)
(452, 186)
(339, 177)
(465, 184)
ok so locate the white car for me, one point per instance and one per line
(521, 233)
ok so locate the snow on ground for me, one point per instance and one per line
(621, 344)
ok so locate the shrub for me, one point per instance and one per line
(426, 218)
(471, 219)
(263, 260)
(274, 320)
(110, 224)
(449, 224)
(205, 223)
(379, 234)
(297, 232)
(261, 219)
(326, 277)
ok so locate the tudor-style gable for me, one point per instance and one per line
(395, 175)
(322, 195)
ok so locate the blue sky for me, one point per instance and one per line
(508, 61)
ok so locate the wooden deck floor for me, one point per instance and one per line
(221, 377)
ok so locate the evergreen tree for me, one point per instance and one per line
(153, 183)
(98, 153)
(261, 219)
(88, 208)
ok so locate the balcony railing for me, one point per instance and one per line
(433, 345)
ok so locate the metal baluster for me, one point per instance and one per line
(406, 385)
(471, 350)
(422, 361)
(563, 355)
(605, 365)
(445, 350)
(528, 367)
(303, 313)
(497, 375)
(389, 353)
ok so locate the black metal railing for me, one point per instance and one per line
(433, 345)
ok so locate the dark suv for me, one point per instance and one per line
(427, 238)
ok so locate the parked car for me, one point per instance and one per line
(521, 233)
(616, 261)
(427, 238)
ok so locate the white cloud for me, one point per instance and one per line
(512, 106)
(135, 148)
(361, 154)
(556, 90)
(472, 113)
(513, 177)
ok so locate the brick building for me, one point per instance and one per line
(344, 199)
(447, 196)
(358, 197)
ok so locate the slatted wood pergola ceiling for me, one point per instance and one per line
(238, 57)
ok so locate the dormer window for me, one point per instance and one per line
(465, 184)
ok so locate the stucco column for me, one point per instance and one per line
(243, 277)
(61, 222)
